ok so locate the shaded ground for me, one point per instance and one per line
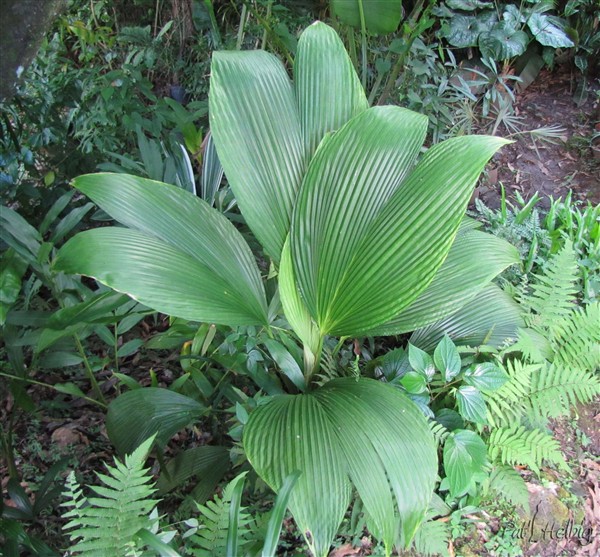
(530, 165)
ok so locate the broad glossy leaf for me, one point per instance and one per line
(447, 359)
(256, 127)
(351, 191)
(328, 90)
(465, 454)
(136, 415)
(421, 361)
(360, 431)
(491, 318)
(502, 42)
(414, 382)
(471, 404)
(464, 30)
(381, 16)
(486, 377)
(547, 33)
(474, 259)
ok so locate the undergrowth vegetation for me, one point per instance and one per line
(271, 293)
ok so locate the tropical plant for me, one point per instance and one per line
(120, 520)
(364, 242)
(502, 31)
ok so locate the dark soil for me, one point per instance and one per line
(532, 165)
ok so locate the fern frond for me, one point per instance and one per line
(510, 402)
(108, 524)
(507, 483)
(211, 538)
(553, 293)
(518, 445)
(576, 339)
(432, 539)
(439, 432)
(555, 389)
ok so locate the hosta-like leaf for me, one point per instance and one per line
(381, 16)
(447, 359)
(353, 286)
(491, 318)
(364, 432)
(503, 42)
(547, 33)
(328, 90)
(465, 454)
(136, 415)
(202, 268)
(474, 259)
(471, 404)
(486, 376)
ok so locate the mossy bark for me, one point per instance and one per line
(24, 23)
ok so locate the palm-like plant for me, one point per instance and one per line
(366, 241)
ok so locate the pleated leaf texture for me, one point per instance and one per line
(368, 228)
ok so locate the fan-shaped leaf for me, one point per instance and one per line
(328, 90)
(474, 259)
(136, 415)
(363, 431)
(489, 319)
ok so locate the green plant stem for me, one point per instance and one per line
(90, 372)
(363, 43)
(240, 35)
(116, 348)
(264, 38)
(352, 48)
(41, 384)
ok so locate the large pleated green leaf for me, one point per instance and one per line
(211, 274)
(364, 433)
(491, 317)
(295, 309)
(473, 261)
(381, 16)
(157, 275)
(365, 241)
(266, 129)
(256, 127)
(328, 90)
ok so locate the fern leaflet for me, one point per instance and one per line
(108, 524)
(507, 483)
(518, 445)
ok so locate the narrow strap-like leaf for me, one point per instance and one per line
(277, 514)
(232, 542)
